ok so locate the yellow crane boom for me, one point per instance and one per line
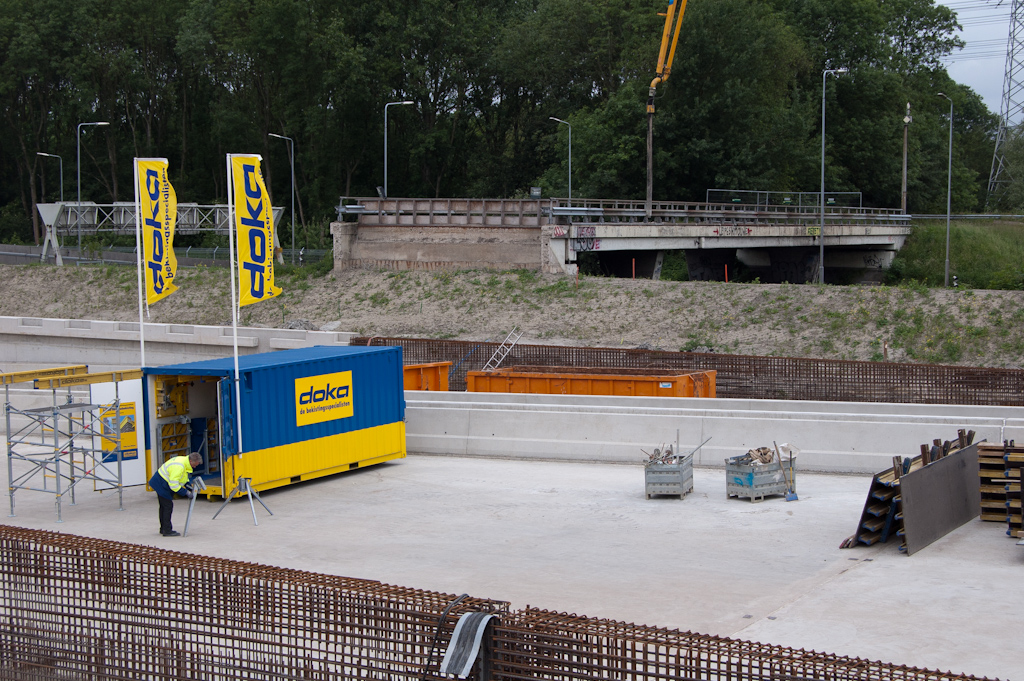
(667, 53)
(665, 64)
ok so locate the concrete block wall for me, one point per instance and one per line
(832, 436)
(55, 342)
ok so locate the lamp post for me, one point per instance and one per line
(39, 153)
(291, 160)
(78, 164)
(559, 120)
(907, 120)
(821, 234)
(949, 181)
(386, 141)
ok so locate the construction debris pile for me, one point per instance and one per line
(661, 456)
(761, 455)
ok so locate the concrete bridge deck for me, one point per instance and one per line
(783, 240)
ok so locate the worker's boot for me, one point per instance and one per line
(172, 533)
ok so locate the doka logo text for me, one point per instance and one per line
(323, 398)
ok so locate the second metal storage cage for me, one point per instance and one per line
(306, 413)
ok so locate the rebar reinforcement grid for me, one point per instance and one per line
(746, 376)
(80, 608)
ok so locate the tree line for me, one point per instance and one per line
(191, 80)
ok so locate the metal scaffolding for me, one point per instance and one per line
(54, 449)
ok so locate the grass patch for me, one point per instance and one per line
(983, 254)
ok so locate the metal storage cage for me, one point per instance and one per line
(749, 480)
(305, 413)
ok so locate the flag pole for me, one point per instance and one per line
(138, 262)
(234, 306)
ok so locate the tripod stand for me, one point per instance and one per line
(244, 485)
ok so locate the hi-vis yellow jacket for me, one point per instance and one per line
(176, 471)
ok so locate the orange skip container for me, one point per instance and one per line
(426, 376)
(592, 381)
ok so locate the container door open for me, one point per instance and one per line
(227, 421)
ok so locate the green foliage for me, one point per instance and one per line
(14, 227)
(673, 267)
(191, 80)
(982, 254)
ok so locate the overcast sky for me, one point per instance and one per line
(981, 63)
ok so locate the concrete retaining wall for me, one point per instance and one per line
(55, 342)
(832, 436)
(401, 247)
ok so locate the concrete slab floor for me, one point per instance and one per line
(582, 538)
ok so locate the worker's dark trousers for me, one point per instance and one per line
(166, 507)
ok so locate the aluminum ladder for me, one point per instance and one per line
(506, 347)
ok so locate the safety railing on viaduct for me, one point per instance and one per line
(79, 608)
(746, 376)
(538, 212)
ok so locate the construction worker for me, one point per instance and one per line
(170, 479)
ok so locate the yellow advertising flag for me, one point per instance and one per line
(159, 212)
(254, 223)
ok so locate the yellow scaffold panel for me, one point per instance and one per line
(88, 379)
(29, 376)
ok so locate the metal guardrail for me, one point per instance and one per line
(747, 376)
(78, 607)
(535, 212)
(302, 256)
(979, 216)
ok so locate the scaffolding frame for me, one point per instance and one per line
(64, 444)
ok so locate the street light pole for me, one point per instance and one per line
(291, 159)
(386, 141)
(78, 164)
(949, 181)
(907, 120)
(39, 153)
(821, 234)
(559, 120)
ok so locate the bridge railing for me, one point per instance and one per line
(617, 210)
(538, 212)
(484, 212)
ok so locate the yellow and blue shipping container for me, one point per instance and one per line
(306, 413)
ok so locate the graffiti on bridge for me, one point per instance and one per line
(583, 245)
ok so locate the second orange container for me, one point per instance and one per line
(592, 381)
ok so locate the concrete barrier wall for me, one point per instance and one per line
(832, 436)
(55, 342)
